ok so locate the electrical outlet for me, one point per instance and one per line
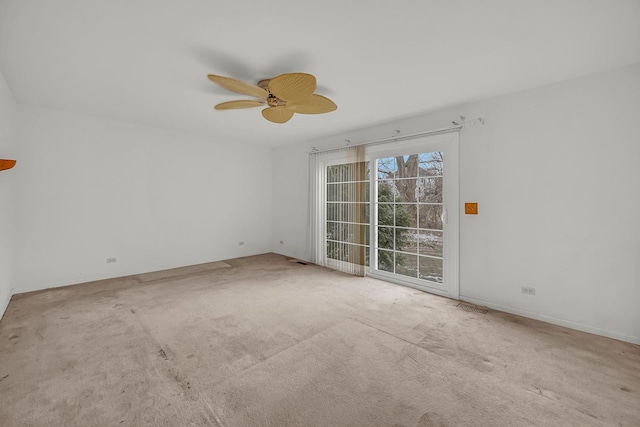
(111, 260)
(528, 291)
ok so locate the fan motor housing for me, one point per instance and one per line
(272, 100)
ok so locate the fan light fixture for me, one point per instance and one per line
(285, 95)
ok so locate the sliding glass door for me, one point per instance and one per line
(392, 213)
(414, 220)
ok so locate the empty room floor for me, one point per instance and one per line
(262, 341)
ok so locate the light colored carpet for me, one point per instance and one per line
(267, 342)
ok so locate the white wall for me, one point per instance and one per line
(91, 188)
(556, 173)
(8, 150)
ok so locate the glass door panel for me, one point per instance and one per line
(409, 206)
(347, 213)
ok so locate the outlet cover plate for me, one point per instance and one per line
(528, 290)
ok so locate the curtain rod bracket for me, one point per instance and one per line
(466, 123)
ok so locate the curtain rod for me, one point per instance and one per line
(455, 128)
(463, 123)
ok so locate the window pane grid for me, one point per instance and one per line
(409, 206)
(345, 202)
(349, 243)
(348, 182)
(347, 210)
(346, 222)
(408, 203)
(405, 228)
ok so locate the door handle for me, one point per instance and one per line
(444, 216)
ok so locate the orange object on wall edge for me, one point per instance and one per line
(6, 164)
(471, 208)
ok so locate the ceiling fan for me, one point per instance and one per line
(285, 95)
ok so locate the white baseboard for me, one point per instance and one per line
(554, 320)
(291, 255)
(117, 274)
(79, 281)
(5, 303)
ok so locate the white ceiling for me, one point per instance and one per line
(146, 61)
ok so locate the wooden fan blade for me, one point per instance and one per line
(234, 105)
(316, 104)
(278, 114)
(293, 87)
(238, 86)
